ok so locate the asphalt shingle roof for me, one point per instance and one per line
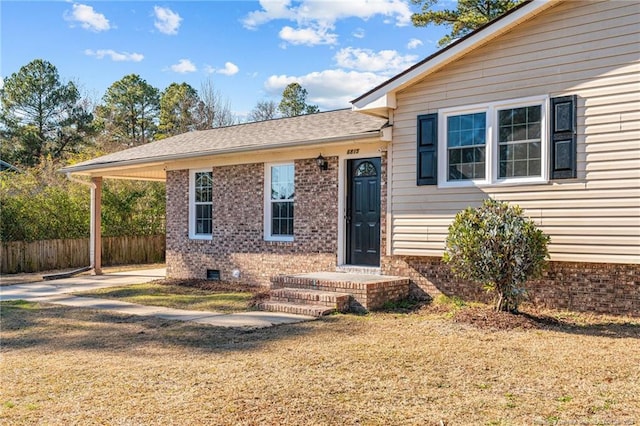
(283, 132)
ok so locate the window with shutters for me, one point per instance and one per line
(200, 204)
(505, 142)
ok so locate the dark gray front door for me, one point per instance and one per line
(363, 212)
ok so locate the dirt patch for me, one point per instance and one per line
(488, 318)
(485, 317)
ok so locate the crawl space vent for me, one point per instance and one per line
(213, 274)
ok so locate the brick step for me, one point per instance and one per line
(296, 308)
(330, 299)
(367, 291)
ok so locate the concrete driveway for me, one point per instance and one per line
(57, 292)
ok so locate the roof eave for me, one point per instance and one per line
(372, 102)
(237, 150)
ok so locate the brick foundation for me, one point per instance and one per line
(593, 287)
(238, 225)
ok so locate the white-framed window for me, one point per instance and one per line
(200, 204)
(495, 143)
(279, 195)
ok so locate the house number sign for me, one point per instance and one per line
(353, 151)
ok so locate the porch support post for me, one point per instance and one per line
(95, 238)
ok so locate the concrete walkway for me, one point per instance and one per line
(57, 292)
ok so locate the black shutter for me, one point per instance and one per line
(427, 160)
(563, 137)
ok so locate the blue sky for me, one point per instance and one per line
(249, 50)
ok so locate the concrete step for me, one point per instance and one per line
(363, 270)
(330, 299)
(296, 308)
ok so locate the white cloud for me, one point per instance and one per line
(183, 66)
(414, 43)
(229, 69)
(115, 56)
(329, 89)
(307, 36)
(88, 18)
(167, 21)
(358, 33)
(274, 9)
(328, 12)
(316, 18)
(386, 62)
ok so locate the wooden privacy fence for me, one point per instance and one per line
(20, 256)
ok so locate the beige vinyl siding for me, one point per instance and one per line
(590, 49)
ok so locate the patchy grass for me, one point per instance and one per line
(194, 295)
(71, 366)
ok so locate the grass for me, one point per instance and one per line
(176, 296)
(72, 366)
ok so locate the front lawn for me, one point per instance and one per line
(194, 295)
(443, 364)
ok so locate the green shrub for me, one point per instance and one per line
(496, 246)
(41, 204)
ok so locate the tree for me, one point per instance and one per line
(39, 203)
(469, 15)
(41, 115)
(130, 110)
(213, 110)
(178, 108)
(294, 102)
(496, 246)
(133, 208)
(264, 110)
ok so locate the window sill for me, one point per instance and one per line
(279, 239)
(503, 183)
(201, 237)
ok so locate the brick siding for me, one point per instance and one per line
(238, 225)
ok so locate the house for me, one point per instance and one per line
(540, 108)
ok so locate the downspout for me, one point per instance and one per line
(92, 217)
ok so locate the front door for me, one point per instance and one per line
(363, 212)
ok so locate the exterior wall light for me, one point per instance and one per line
(322, 162)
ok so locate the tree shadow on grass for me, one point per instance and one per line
(29, 325)
(601, 327)
(486, 317)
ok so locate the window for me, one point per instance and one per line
(200, 204)
(519, 142)
(279, 202)
(466, 144)
(502, 142)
